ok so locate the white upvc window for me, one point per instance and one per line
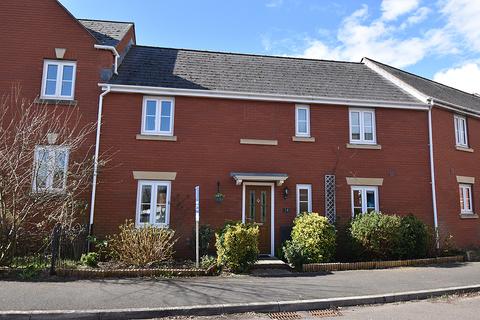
(302, 121)
(304, 198)
(153, 203)
(364, 199)
(466, 203)
(461, 135)
(362, 126)
(58, 81)
(157, 116)
(50, 167)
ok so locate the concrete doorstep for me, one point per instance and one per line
(217, 309)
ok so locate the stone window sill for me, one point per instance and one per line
(468, 216)
(56, 102)
(259, 142)
(303, 139)
(156, 138)
(464, 149)
(364, 146)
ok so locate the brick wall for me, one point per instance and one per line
(450, 163)
(208, 150)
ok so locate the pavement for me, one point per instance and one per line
(203, 291)
(445, 308)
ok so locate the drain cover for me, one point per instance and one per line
(325, 313)
(285, 316)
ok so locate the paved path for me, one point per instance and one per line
(141, 293)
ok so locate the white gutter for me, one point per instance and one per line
(432, 175)
(114, 51)
(97, 150)
(261, 96)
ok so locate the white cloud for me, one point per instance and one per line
(465, 77)
(274, 3)
(358, 38)
(464, 18)
(420, 15)
(393, 9)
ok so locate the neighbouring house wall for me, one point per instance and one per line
(208, 149)
(450, 163)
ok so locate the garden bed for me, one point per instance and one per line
(343, 266)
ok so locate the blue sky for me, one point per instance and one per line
(438, 39)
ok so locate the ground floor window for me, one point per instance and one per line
(364, 199)
(466, 198)
(153, 203)
(50, 169)
(304, 198)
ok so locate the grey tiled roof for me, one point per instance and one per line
(205, 70)
(108, 33)
(434, 89)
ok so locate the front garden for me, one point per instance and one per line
(374, 238)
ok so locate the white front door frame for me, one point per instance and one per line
(272, 208)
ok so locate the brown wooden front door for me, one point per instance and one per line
(258, 211)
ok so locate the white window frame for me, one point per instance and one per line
(51, 164)
(457, 119)
(363, 190)
(153, 201)
(361, 112)
(158, 116)
(464, 189)
(299, 107)
(58, 90)
(307, 187)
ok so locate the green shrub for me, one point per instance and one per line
(206, 262)
(205, 237)
(89, 259)
(313, 240)
(141, 247)
(413, 238)
(237, 246)
(376, 235)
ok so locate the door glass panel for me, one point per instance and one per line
(161, 210)
(145, 206)
(252, 207)
(263, 205)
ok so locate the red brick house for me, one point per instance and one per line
(276, 136)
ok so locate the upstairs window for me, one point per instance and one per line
(364, 200)
(58, 80)
(157, 116)
(466, 205)
(304, 198)
(302, 121)
(362, 126)
(50, 169)
(153, 203)
(461, 138)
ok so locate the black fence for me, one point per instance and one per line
(67, 246)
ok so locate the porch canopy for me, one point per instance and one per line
(279, 178)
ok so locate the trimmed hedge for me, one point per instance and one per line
(382, 237)
(313, 240)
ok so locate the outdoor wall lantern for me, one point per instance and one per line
(219, 196)
(285, 193)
